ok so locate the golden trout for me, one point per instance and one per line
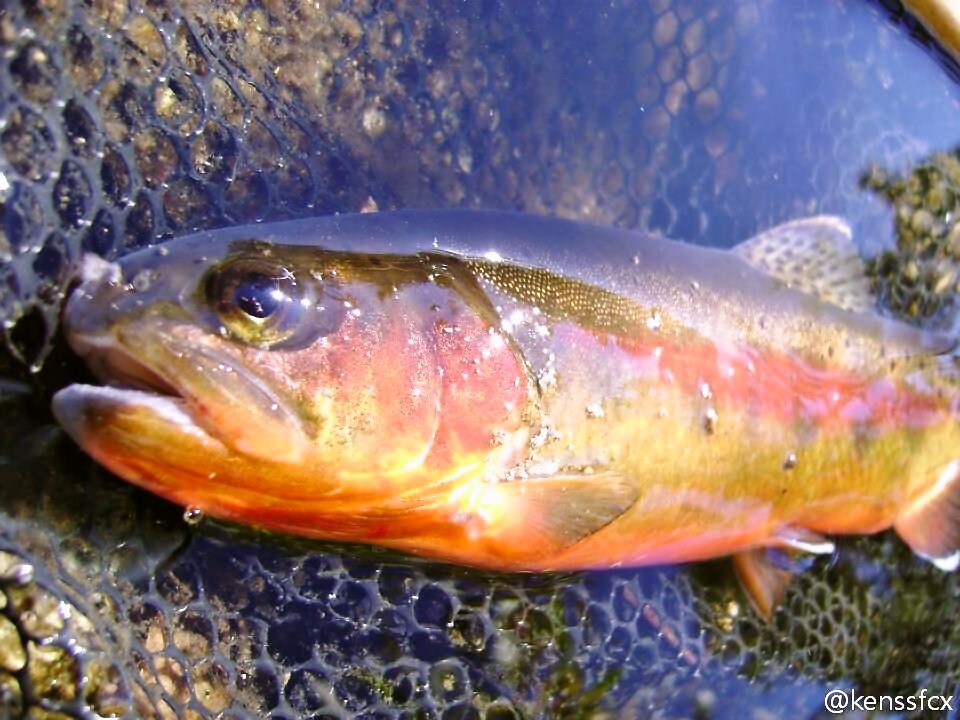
(521, 393)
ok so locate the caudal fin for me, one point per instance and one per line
(930, 524)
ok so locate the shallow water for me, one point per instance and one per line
(703, 121)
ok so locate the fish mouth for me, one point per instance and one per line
(162, 371)
(83, 409)
(119, 368)
(126, 377)
(141, 426)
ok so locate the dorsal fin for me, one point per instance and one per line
(814, 255)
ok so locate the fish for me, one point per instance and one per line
(522, 393)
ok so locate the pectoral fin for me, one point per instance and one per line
(765, 583)
(930, 524)
(532, 519)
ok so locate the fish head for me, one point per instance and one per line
(247, 378)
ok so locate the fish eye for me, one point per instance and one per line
(260, 296)
(258, 302)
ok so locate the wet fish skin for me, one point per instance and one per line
(516, 392)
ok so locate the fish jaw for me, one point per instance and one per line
(164, 420)
(154, 442)
(148, 439)
(170, 357)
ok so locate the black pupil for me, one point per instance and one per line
(258, 295)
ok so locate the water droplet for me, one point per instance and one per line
(594, 410)
(654, 322)
(142, 281)
(548, 377)
(193, 515)
(710, 419)
(790, 462)
(539, 439)
(544, 435)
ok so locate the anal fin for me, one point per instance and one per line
(531, 519)
(803, 540)
(930, 524)
(765, 582)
